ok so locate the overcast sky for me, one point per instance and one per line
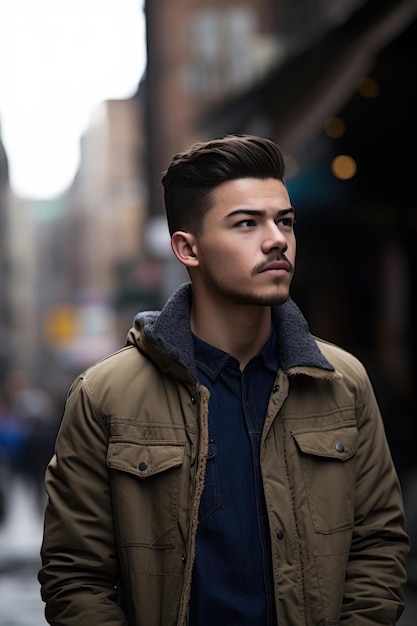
(58, 60)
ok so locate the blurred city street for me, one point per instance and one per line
(20, 538)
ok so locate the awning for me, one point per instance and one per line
(298, 95)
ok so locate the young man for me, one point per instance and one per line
(226, 467)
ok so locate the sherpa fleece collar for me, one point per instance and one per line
(170, 331)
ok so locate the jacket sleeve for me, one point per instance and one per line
(376, 574)
(79, 574)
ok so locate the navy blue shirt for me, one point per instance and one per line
(232, 577)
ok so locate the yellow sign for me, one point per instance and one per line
(60, 324)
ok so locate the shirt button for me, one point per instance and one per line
(279, 534)
(143, 466)
(340, 447)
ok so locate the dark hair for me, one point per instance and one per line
(193, 174)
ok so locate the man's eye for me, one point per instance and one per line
(288, 222)
(245, 223)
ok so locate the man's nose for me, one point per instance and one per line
(273, 238)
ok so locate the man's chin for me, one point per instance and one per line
(276, 300)
(272, 299)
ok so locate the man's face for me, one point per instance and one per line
(246, 250)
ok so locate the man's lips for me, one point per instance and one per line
(275, 265)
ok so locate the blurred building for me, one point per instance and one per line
(92, 244)
(17, 268)
(23, 272)
(4, 263)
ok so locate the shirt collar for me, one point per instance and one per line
(213, 360)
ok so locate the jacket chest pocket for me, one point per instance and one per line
(145, 479)
(328, 462)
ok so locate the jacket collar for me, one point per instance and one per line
(169, 333)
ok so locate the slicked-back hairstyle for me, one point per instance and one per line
(193, 174)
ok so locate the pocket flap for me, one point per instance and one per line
(339, 443)
(145, 459)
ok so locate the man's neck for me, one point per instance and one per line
(240, 330)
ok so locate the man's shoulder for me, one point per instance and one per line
(345, 362)
(115, 369)
(115, 383)
(128, 355)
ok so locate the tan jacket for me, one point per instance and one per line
(125, 484)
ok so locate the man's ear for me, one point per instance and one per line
(184, 247)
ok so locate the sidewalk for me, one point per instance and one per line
(21, 532)
(20, 539)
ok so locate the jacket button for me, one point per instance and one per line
(279, 534)
(340, 447)
(193, 400)
(143, 466)
(275, 388)
(183, 558)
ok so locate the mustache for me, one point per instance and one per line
(273, 258)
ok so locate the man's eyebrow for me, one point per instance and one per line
(259, 212)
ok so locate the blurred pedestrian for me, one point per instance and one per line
(226, 467)
(35, 412)
(13, 439)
